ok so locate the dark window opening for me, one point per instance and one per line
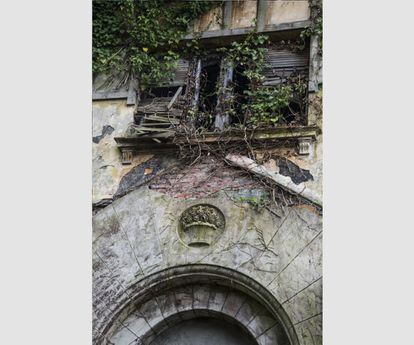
(291, 113)
(241, 84)
(210, 72)
(161, 92)
(215, 92)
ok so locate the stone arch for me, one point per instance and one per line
(234, 332)
(163, 299)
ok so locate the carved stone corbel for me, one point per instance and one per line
(305, 146)
(126, 156)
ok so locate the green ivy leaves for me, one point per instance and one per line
(316, 26)
(265, 104)
(141, 37)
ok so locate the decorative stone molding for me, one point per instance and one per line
(305, 146)
(127, 155)
(170, 142)
(192, 285)
(200, 225)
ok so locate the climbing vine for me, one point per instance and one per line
(262, 105)
(316, 26)
(141, 37)
(249, 54)
(265, 104)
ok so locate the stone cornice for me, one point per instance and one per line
(303, 136)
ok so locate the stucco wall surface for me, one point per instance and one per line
(287, 11)
(137, 236)
(109, 174)
(109, 120)
(244, 14)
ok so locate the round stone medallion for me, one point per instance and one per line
(201, 225)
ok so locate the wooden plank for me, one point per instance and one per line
(154, 129)
(169, 106)
(180, 74)
(147, 124)
(197, 85)
(162, 119)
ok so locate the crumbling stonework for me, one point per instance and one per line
(136, 237)
(202, 180)
(203, 249)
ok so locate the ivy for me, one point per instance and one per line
(250, 55)
(144, 38)
(266, 104)
(141, 37)
(262, 106)
(257, 202)
(316, 26)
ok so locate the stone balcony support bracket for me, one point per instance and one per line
(126, 155)
(305, 145)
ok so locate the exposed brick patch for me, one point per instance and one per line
(202, 180)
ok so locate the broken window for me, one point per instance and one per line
(160, 108)
(219, 88)
(241, 84)
(209, 92)
(289, 67)
(210, 71)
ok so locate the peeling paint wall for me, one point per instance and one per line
(282, 11)
(109, 120)
(137, 235)
(111, 178)
(315, 160)
(244, 13)
(111, 117)
(209, 21)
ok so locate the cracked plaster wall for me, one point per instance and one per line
(244, 13)
(107, 169)
(109, 175)
(111, 117)
(280, 12)
(312, 162)
(137, 235)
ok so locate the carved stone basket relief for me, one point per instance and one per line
(201, 225)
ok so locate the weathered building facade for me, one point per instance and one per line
(213, 236)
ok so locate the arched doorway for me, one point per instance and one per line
(201, 305)
(204, 331)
